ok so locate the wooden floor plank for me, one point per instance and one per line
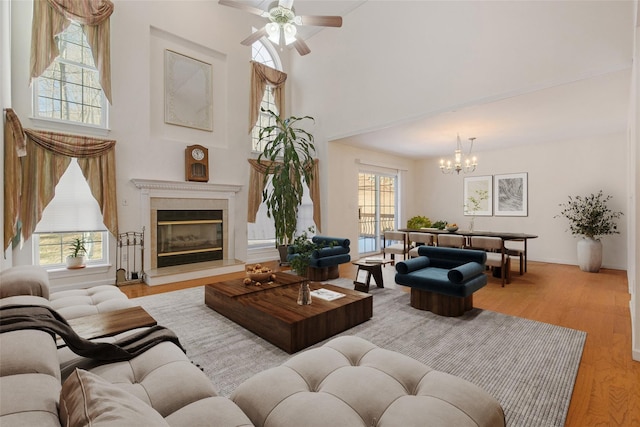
(607, 388)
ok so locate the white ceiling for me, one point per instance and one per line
(595, 103)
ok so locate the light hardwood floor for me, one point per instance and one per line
(607, 389)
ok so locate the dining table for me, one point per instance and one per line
(504, 235)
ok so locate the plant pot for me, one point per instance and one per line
(74, 262)
(589, 254)
(283, 250)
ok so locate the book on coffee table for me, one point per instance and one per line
(374, 260)
(326, 294)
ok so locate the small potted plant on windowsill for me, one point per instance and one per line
(77, 252)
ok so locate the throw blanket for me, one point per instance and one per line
(17, 317)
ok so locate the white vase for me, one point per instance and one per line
(589, 254)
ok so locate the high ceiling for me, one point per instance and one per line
(592, 101)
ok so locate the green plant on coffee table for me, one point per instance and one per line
(418, 222)
(590, 216)
(77, 248)
(303, 247)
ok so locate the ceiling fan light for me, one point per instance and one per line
(289, 33)
(273, 30)
(286, 3)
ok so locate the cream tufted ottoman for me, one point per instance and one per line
(29, 284)
(351, 382)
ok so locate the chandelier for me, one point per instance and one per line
(465, 163)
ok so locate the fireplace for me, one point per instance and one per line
(191, 229)
(189, 236)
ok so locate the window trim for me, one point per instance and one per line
(104, 261)
(68, 125)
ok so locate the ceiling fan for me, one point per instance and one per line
(282, 26)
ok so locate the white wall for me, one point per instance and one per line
(146, 146)
(555, 171)
(340, 187)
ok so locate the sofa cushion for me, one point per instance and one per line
(350, 381)
(329, 252)
(30, 379)
(24, 280)
(85, 302)
(88, 400)
(328, 241)
(412, 264)
(329, 261)
(465, 272)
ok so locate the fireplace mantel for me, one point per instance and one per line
(153, 184)
(151, 190)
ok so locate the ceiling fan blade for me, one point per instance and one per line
(301, 47)
(254, 37)
(321, 21)
(244, 7)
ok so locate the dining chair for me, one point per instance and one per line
(451, 241)
(419, 239)
(519, 252)
(496, 255)
(395, 243)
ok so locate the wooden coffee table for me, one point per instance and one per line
(110, 323)
(271, 310)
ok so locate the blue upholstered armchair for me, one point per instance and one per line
(329, 253)
(443, 280)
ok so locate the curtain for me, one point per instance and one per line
(260, 76)
(51, 17)
(48, 155)
(256, 185)
(14, 149)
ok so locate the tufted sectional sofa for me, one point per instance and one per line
(346, 382)
(351, 382)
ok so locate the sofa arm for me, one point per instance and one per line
(328, 252)
(331, 241)
(24, 280)
(465, 272)
(413, 264)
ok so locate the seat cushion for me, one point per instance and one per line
(351, 382)
(84, 302)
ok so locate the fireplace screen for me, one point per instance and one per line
(189, 236)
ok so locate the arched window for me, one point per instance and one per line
(264, 54)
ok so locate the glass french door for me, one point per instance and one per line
(377, 209)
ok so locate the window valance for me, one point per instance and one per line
(261, 75)
(30, 180)
(51, 17)
(256, 185)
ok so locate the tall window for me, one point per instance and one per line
(73, 213)
(262, 54)
(377, 209)
(69, 90)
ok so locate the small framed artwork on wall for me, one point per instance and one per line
(478, 196)
(511, 194)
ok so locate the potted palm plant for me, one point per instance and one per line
(77, 252)
(288, 153)
(590, 217)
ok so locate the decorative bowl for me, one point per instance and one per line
(452, 229)
(261, 277)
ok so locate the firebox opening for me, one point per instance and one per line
(189, 236)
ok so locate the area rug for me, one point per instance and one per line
(529, 366)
